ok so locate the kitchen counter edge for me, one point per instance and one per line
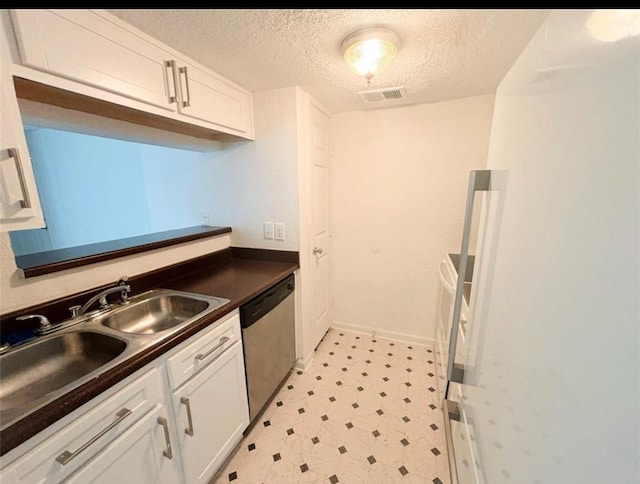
(255, 269)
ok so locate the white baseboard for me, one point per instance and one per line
(302, 364)
(384, 334)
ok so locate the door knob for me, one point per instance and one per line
(317, 251)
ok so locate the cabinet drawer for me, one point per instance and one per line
(127, 406)
(207, 345)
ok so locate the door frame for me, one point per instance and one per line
(305, 345)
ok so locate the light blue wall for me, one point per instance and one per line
(96, 189)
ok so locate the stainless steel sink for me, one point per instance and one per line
(82, 348)
(157, 311)
(31, 372)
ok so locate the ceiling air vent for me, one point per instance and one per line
(386, 94)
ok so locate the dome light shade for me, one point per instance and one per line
(613, 25)
(369, 51)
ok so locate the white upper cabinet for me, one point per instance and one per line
(80, 45)
(207, 97)
(19, 202)
(96, 49)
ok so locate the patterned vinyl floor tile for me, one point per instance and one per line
(365, 411)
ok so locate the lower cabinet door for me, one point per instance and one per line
(142, 454)
(211, 414)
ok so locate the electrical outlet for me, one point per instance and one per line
(204, 219)
(268, 230)
(279, 231)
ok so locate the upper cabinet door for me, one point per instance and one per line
(86, 47)
(207, 98)
(19, 202)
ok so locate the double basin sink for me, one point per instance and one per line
(46, 368)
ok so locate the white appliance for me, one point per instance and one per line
(549, 386)
(448, 273)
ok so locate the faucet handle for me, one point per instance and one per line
(75, 311)
(44, 321)
(125, 289)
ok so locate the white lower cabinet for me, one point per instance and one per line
(145, 431)
(211, 411)
(60, 450)
(142, 455)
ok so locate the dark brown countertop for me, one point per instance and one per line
(61, 259)
(236, 274)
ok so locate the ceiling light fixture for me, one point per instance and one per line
(369, 51)
(614, 24)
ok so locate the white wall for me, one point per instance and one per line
(17, 292)
(250, 182)
(399, 180)
(93, 189)
(257, 181)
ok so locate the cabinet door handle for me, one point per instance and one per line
(15, 154)
(185, 101)
(167, 452)
(68, 456)
(202, 356)
(189, 429)
(317, 251)
(171, 80)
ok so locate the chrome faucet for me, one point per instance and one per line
(101, 298)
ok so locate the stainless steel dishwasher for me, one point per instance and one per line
(268, 337)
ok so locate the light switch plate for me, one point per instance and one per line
(268, 230)
(279, 231)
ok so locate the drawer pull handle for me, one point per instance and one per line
(167, 452)
(68, 456)
(202, 356)
(189, 429)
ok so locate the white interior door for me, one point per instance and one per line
(319, 234)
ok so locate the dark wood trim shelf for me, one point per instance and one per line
(57, 260)
(291, 257)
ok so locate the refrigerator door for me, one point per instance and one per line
(552, 355)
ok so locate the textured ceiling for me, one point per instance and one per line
(445, 54)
